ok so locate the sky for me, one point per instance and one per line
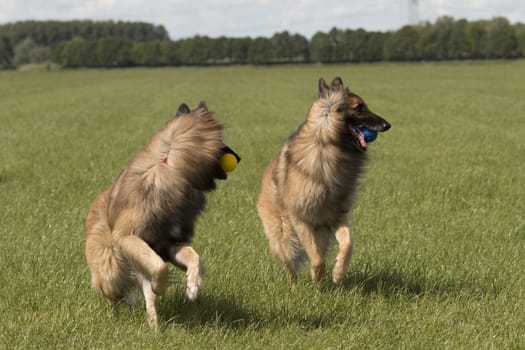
(240, 18)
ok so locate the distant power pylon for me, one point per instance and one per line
(413, 12)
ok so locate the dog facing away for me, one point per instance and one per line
(308, 190)
(147, 216)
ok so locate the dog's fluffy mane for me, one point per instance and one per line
(165, 181)
(187, 149)
(320, 146)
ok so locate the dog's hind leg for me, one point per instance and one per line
(185, 257)
(315, 245)
(145, 260)
(151, 271)
(291, 253)
(344, 255)
(282, 240)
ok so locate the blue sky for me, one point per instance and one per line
(237, 18)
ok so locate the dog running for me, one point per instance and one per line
(307, 192)
(147, 217)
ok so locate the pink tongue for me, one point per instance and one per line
(362, 139)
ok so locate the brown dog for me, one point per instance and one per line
(308, 190)
(147, 217)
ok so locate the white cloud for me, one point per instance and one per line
(515, 16)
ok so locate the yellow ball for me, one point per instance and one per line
(228, 162)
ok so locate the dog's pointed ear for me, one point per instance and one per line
(183, 109)
(323, 88)
(337, 84)
(202, 105)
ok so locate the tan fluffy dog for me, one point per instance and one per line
(308, 190)
(147, 216)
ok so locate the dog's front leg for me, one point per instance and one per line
(185, 257)
(344, 255)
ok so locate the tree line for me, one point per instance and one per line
(126, 44)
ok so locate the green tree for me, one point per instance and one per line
(6, 53)
(289, 48)
(113, 52)
(476, 36)
(458, 47)
(121, 43)
(170, 53)
(27, 51)
(300, 50)
(336, 39)
(403, 45)
(52, 33)
(443, 28)
(76, 53)
(23, 52)
(217, 51)
(375, 43)
(148, 54)
(261, 51)
(321, 48)
(428, 39)
(520, 38)
(194, 51)
(355, 46)
(39, 54)
(238, 50)
(501, 39)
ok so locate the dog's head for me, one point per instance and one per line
(352, 110)
(196, 146)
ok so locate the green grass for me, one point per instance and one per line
(439, 227)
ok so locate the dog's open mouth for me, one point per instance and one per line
(358, 139)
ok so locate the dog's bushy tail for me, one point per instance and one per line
(282, 239)
(103, 263)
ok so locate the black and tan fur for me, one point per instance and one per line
(308, 190)
(147, 216)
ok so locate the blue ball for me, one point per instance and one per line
(370, 135)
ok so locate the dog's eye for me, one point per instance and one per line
(361, 108)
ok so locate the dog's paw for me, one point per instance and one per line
(194, 281)
(339, 273)
(153, 321)
(337, 278)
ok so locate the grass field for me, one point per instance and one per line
(439, 227)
